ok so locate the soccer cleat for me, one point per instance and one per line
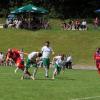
(32, 77)
(15, 71)
(46, 77)
(52, 78)
(22, 77)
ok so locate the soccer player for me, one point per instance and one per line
(21, 54)
(58, 64)
(46, 52)
(14, 55)
(97, 59)
(32, 60)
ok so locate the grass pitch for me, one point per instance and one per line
(80, 44)
(70, 85)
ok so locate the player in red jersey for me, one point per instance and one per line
(13, 54)
(97, 59)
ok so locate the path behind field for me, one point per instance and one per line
(84, 67)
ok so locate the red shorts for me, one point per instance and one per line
(20, 64)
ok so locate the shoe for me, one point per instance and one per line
(32, 77)
(15, 71)
(46, 76)
(52, 78)
(22, 77)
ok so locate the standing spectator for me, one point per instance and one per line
(46, 52)
(1, 58)
(77, 24)
(73, 25)
(84, 25)
(68, 62)
(96, 22)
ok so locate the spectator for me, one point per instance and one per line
(68, 62)
(1, 58)
(84, 25)
(96, 22)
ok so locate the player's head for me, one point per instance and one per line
(21, 50)
(98, 50)
(9, 50)
(62, 56)
(47, 43)
(39, 54)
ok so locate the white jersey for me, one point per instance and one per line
(69, 58)
(57, 57)
(59, 61)
(1, 56)
(32, 55)
(84, 23)
(46, 51)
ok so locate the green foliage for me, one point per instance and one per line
(59, 8)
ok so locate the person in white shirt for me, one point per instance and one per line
(32, 60)
(46, 52)
(68, 62)
(58, 65)
(84, 25)
(1, 58)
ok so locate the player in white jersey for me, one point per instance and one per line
(46, 52)
(32, 60)
(58, 64)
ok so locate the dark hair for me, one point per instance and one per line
(47, 42)
(39, 54)
(63, 55)
(98, 49)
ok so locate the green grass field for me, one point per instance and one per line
(70, 85)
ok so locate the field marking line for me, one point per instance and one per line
(86, 98)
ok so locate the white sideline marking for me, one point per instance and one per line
(86, 98)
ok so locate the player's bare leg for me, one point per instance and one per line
(54, 73)
(34, 73)
(16, 70)
(46, 72)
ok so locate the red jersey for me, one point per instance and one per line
(97, 56)
(14, 54)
